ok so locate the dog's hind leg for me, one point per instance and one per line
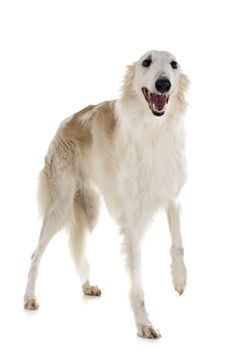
(178, 268)
(83, 219)
(50, 226)
(56, 193)
(132, 251)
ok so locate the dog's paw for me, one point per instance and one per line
(31, 303)
(148, 331)
(179, 277)
(179, 284)
(179, 289)
(92, 290)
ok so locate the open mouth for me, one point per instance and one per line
(156, 102)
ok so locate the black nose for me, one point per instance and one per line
(162, 85)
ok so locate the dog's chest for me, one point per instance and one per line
(154, 169)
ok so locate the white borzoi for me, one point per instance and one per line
(131, 151)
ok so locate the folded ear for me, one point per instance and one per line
(183, 88)
(184, 82)
(127, 86)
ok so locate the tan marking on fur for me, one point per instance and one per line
(102, 121)
(83, 111)
(74, 143)
(76, 131)
(105, 120)
(104, 125)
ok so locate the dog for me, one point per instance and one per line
(132, 152)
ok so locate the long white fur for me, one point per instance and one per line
(145, 173)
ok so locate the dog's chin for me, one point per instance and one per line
(158, 114)
(157, 102)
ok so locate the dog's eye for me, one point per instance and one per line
(174, 64)
(146, 63)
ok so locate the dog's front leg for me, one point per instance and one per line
(178, 268)
(132, 251)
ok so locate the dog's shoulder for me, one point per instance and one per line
(105, 119)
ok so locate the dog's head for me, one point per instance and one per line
(156, 78)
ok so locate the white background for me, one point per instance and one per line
(59, 56)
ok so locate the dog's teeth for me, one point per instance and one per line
(154, 106)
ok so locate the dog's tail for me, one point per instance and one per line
(83, 218)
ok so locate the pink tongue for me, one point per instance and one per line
(158, 100)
